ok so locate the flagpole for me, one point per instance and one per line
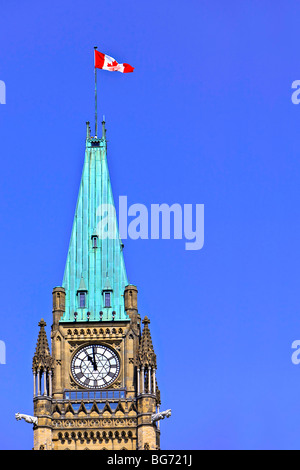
(96, 117)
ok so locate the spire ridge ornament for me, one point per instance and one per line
(146, 321)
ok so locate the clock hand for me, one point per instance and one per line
(94, 363)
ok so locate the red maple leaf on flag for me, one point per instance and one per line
(113, 64)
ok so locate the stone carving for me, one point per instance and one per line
(27, 418)
(160, 415)
(94, 423)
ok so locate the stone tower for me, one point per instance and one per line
(97, 389)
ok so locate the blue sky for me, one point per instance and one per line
(206, 118)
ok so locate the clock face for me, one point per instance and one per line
(95, 366)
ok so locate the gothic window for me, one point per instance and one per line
(95, 241)
(107, 299)
(58, 301)
(82, 299)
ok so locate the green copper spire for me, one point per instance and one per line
(95, 275)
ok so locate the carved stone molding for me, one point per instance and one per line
(94, 423)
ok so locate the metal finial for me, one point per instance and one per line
(103, 128)
(88, 130)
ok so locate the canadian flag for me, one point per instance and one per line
(105, 62)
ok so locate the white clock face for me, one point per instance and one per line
(95, 366)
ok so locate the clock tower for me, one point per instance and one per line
(96, 388)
